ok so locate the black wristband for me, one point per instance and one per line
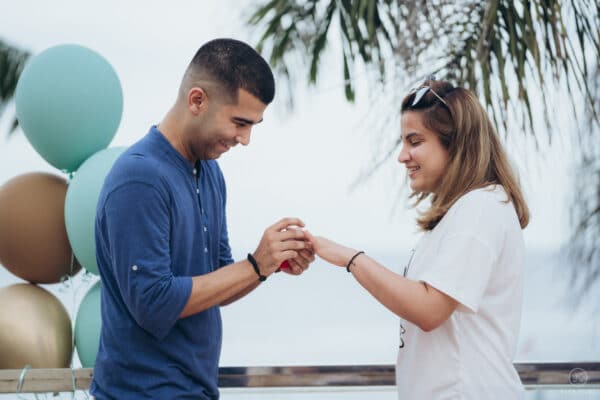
(261, 277)
(352, 259)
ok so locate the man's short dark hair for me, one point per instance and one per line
(234, 65)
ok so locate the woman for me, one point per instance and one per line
(459, 297)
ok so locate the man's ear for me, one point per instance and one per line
(197, 100)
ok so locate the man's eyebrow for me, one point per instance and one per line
(246, 121)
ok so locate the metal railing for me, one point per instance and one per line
(535, 376)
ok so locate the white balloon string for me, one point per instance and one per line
(68, 283)
(73, 318)
(22, 380)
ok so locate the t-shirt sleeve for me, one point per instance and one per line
(468, 249)
(137, 226)
(461, 269)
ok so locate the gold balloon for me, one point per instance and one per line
(35, 329)
(33, 237)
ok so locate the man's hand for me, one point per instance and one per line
(300, 264)
(281, 242)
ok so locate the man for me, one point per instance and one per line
(161, 235)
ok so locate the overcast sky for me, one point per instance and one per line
(299, 163)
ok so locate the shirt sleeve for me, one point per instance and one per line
(461, 269)
(225, 257)
(138, 225)
(468, 250)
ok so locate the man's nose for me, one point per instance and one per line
(244, 138)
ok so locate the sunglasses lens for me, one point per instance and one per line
(419, 95)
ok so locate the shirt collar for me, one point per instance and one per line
(157, 138)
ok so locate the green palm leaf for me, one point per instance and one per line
(12, 61)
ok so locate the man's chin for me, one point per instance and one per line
(215, 155)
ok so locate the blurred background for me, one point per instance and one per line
(326, 151)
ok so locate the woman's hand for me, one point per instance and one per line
(330, 251)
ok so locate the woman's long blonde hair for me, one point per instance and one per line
(476, 155)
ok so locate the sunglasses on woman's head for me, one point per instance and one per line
(420, 93)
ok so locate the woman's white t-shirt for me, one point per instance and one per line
(475, 255)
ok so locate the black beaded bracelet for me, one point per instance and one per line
(261, 277)
(352, 259)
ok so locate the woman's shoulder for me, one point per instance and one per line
(480, 213)
(487, 196)
(479, 205)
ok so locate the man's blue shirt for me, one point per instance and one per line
(156, 227)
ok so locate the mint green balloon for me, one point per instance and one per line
(80, 205)
(87, 327)
(69, 104)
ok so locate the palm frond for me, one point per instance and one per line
(469, 42)
(303, 27)
(584, 244)
(12, 61)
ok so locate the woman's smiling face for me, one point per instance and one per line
(422, 153)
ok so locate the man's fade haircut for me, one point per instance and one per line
(233, 65)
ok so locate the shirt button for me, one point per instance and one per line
(198, 191)
(134, 267)
(195, 171)
(205, 250)
(205, 229)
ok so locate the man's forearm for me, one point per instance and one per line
(241, 293)
(221, 286)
